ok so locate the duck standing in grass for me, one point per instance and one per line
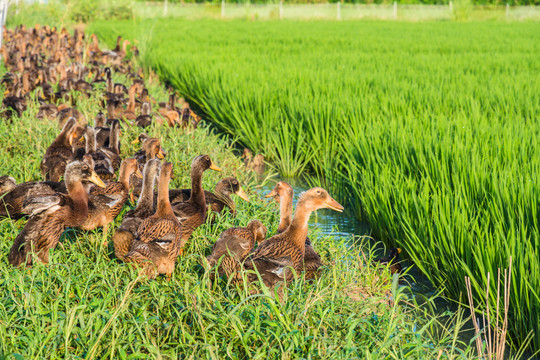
(123, 237)
(51, 214)
(157, 242)
(59, 153)
(283, 193)
(192, 213)
(274, 255)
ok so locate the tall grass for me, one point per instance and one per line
(430, 130)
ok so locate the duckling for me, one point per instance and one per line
(103, 132)
(123, 237)
(234, 245)
(392, 261)
(51, 214)
(192, 213)
(217, 200)
(274, 255)
(283, 193)
(145, 119)
(105, 204)
(158, 237)
(103, 164)
(59, 153)
(14, 103)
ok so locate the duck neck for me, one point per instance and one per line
(131, 103)
(225, 198)
(114, 138)
(298, 229)
(91, 146)
(197, 191)
(146, 200)
(79, 196)
(285, 210)
(125, 173)
(163, 204)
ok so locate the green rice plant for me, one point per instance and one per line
(428, 129)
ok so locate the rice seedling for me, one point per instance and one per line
(429, 129)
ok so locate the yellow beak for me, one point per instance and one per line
(96, 180)
(138, 173)
(399, 250)
(136, 141)
(242, 195)
(271, 194)
(214, 167)
(160, 154)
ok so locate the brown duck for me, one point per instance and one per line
(104, 204)
(274, 256)
(123, 237)
(283, 193)
(192, 213)
(51, 214)
(234, 245)
(219, 199)
(59, 153)
(157, 243)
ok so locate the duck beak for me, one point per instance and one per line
(399, 250)
(6, 92)
(131, 198)
(96, 180)
(160, 154)
(333, 204)
(136, 141)
(138, 173)
(242, 195)
(214, 167)
(271, 194)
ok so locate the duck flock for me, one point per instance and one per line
(80, 188)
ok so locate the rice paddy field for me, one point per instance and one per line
(429, 130)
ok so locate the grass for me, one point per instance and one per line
(429, 130)
(85, 304)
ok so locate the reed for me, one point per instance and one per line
(430, 129)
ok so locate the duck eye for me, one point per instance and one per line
(318, 192)
(85, 167)
(235, 182)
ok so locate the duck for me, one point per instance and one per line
(124, 235)
(277, 258)
(157, 241)
(13, 195)
(150, 149)
(104, 204)
(51, 214)
(103, 132)
(129, 113)
(192, 213)
(392, 261)
(59, 153)
(145, 119)
(283, 193)
(64, 112)
(217, 200)
(234, 245)
(103, 163)
(112, 151)
(255, 163)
